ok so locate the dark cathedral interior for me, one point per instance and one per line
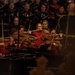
(37, 37)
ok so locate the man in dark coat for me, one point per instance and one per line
(67, 25)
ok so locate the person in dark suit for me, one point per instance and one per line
(36, 6)
(42, 15)
(67, 25)
(26, 16)
(10, 12)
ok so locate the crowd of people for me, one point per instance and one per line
(31, 13)
(32, 24)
